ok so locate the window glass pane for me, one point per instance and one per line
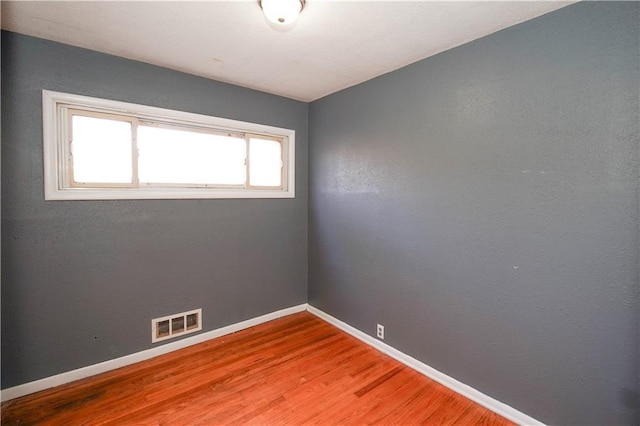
(265, 158)
(101, 150)
(183, 157)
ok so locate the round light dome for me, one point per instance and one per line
(282, 12)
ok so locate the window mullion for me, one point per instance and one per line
(246, 160)
(134, 153)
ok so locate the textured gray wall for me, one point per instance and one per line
(482, 204)
(81, 280)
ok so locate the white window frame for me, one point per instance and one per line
(56, 109)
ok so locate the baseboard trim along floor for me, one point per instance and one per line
(112, 364)
(451, 383)
(467, 391)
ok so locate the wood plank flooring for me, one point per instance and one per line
(295, 370)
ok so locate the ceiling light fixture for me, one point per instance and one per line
(282, 12)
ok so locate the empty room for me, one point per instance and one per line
(320, 212)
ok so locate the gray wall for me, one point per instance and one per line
(81, 280)
(482, 204)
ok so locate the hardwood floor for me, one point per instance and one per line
(294, 370)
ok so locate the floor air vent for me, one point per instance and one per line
(175, 325)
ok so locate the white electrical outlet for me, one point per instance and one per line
(380, 331)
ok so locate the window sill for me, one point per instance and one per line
(159, 194)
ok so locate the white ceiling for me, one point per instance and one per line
(334, 45)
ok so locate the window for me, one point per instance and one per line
(95, 149)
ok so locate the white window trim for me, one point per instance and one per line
(53, 147)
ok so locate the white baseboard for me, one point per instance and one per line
(112, 364)
(467, 391)
(453, 384)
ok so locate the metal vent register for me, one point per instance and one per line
(176, 325)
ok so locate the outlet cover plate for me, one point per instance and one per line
(380, 331)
